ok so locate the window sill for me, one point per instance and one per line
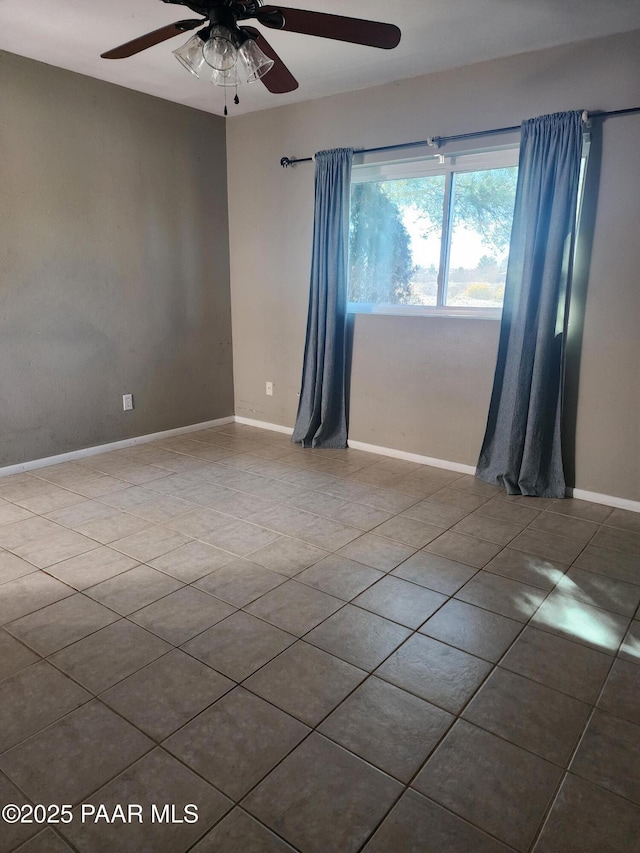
(453, 312)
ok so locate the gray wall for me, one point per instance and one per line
(114, 264)
(419, 384)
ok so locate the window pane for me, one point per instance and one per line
(481, 228)
(396, 231)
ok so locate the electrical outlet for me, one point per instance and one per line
(127, 402)
(269, 389)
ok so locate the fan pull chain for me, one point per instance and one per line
(226, 111)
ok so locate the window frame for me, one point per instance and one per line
(447, 164)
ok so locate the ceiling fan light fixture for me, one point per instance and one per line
(191, 56)
(220, 51)
(255, 61)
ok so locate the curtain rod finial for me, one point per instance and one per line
(285, 162)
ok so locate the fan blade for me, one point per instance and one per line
(148, 40)
(354, 30)
(279, 79)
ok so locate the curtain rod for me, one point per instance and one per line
(437, 141)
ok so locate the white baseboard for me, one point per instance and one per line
(264, 425)
(580, 494)
(607, 500)
(459, 467)
(73, 455)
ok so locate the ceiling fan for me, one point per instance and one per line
(226, 48)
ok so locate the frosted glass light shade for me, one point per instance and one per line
(190, 55)
(256, 62)
(220, 51)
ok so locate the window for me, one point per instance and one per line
(432, 236)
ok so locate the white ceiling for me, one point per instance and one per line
(436, 34)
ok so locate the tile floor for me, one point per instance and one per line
(324, 651)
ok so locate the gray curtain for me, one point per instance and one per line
(522, 443)
(322, 410)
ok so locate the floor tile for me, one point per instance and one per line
(459, 498)
(505, 511)
(463, 549)
(630, 648)
(388, 727)
(575, 620)
(156, 779)
(167, 693)
(14, 656)
(50, 550)
(524, 712)
(502, 595)
(621, 694)
(60, 624)
(237, 741)
(472, 629)
(376, 552)
(241, 538)
(13, 834)
(182, 615)
(295, 607)
(566, 666)
(434, 572)
(239, 645)
(21, 533)
(45, 842)
(134, 589)
(287, 556)
(580, 509)
(283, 519)
(92, 568)
(361, 516)
(550, 546)
(150, 543)
(492, 529)
(359, 637)
(418, 825)
(12, 567)
(240, 581)
(238, 831)
(527, 568)
(29, 593)
(334, 807)
(192, 561)
(600, 591)
(62, 764)
(340, 577)
(409, 531)
(624, 567)
(624, 519)
(305, 682)
(433, 513)
(327, 534)
(574, 528)
(436, 672)
(401, 601)
(625, 541)
(497, 786)
(109, 530)
(10, 513)
(385, 500)
(588, 819)
(33, 698)
(109, 655)
(609, 755)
